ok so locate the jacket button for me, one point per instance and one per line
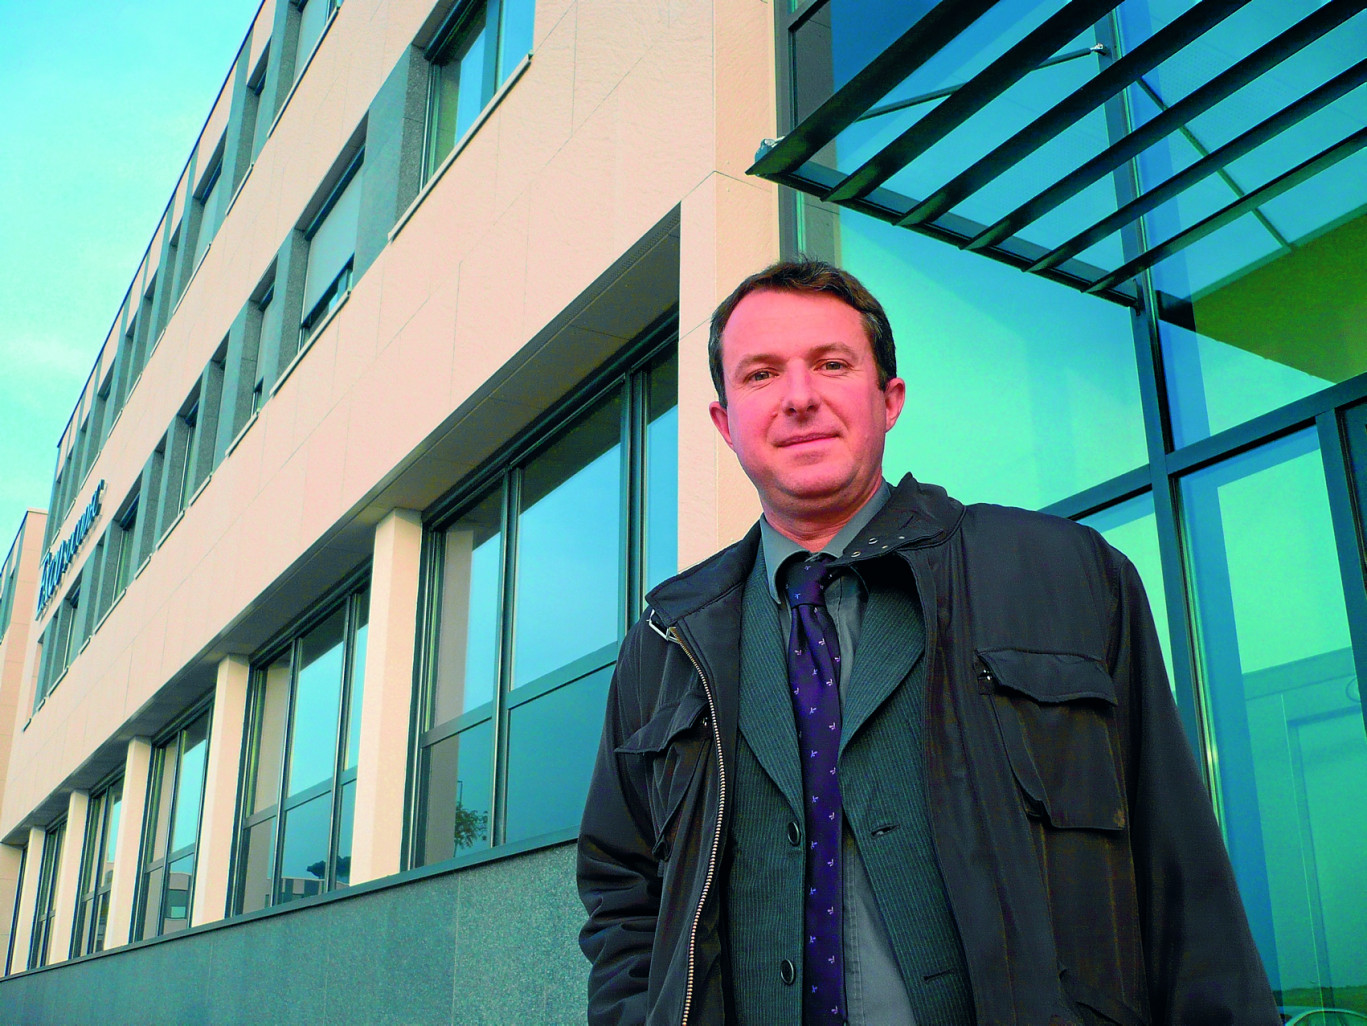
(794, 833)
(787, 972)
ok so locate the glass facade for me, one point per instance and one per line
(517, 673)
(175, 798)
(1179, 370)
(299, 785)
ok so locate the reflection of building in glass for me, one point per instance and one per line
(405, 411)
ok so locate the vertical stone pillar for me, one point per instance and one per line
(28, 899)
(210, 902)
(10, 859)
(67, 881)
(137, 766)
(387, 698)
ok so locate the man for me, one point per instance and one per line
(958, 793)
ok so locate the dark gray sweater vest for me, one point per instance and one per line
(882, 773)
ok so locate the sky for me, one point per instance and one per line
(101, 106)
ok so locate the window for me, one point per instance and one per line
(313, 19)
(47, 887)
(97, 871)
(175, 793)
(269, 331)
(190, 431)
(299, 786)
(208, 198)
(127, 547)
(332, 247)
(474, 54)
(515, 678)
(9, 577)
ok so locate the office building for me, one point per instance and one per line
(405, 410)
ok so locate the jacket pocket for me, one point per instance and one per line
(671, 745)
(1055, 712)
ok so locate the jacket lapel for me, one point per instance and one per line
(766, 708)
(891, 641)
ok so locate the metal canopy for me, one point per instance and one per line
(797, 159)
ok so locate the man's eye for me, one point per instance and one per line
(833, 365)
(760, 375)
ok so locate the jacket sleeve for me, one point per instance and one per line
(617, 873)
(1201, 962)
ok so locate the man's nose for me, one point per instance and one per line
(800, 393)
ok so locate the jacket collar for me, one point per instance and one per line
(915, 515)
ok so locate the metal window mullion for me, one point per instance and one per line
(632, 533)
(433, 559)
(493, 37)
(341, 740)
(512, 500)
(278, 842)
(170, 824)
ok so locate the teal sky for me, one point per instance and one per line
(102, 103)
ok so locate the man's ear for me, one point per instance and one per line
(722, 420)
(894, 398)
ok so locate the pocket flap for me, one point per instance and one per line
(1050, 677)
(667, 723)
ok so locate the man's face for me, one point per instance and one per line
(804, 412)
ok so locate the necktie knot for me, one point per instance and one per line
(806, 580)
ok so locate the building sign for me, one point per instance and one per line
(55, 563)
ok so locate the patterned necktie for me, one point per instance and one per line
(814, 673)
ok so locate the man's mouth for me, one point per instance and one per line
(811, 436)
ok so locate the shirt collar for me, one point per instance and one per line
(779, 548)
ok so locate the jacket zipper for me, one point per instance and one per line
(674, 636)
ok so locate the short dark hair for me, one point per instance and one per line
(808, 276)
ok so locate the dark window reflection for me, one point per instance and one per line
(551, 746)
(661, 529)
(458, 794)
(467, 642)
(304, 851)
(569, 547)
(1285, 711)
(317, 702)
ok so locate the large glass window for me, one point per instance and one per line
(472, 58)
(1284, 712)
(1133, 529)
(517, 674)
(332, 248)
(97, 871)
(1019, 390)
(175, 797)
(40, 940)
(299, 790)
(14, 913)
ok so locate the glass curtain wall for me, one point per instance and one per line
(530, 586)
(175, 798)
(298, 793)
(97, 871)
(1201, 418)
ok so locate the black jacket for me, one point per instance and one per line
(1083, 863)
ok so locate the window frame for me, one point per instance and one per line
(175, 735)
(627, 375)
(349, 596)
(339, 287)
(91, 887)
(45, 907)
